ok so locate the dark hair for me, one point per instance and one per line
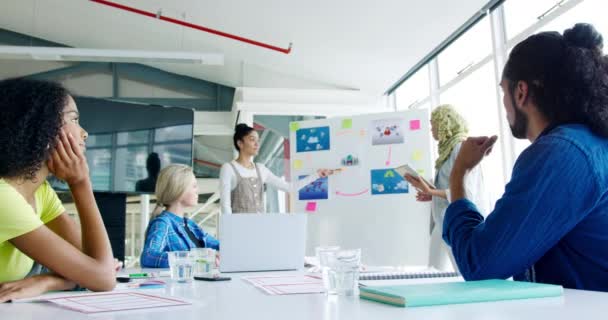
(566, 76)
(240, 131)
(153, 164)
(30, 119)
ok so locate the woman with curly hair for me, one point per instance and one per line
(449, 129)
(40, 135)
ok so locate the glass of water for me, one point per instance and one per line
(181, 264)
(343, 272)
(204, 261)
(323, 254)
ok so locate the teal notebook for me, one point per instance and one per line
(458, 292)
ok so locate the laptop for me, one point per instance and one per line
(262, 242)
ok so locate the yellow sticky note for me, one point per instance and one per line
(297, 164)
(347, 123)
(420, 172)
(417, 155)
(294, 126)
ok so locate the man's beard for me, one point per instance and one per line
(520, 125)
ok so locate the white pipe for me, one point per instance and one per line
(144, 209)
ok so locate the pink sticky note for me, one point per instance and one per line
(311, 206)
(414, 124)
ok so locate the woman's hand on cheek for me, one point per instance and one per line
(67, 161)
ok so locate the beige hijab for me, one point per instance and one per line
(452, 129)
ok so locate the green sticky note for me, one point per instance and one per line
(417, 155)
(347, 123)
(294, 126)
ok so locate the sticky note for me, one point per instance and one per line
(347, 123)
(294, 126)
(420, 172)
(417, 155)
(414, 124)
(297, 164)
(311, 206)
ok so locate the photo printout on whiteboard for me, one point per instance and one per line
(387, 181)
(386, 131)
(316, 190)
(312, 139)
(349, 160)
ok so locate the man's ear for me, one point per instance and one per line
(522, 94)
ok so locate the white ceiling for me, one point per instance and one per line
(347, 44)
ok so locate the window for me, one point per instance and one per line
(587, 11)
(590, 11)
(521, 14)
(174, 152)
(99, 140)
(173, 133)
(413, 90)
(470, 48)
(99, 161)
(474, 93)
(133, 137)
(130, 166)
(474, 97)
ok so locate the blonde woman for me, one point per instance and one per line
(450, 130)
(169, 229)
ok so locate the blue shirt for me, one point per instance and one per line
(551, 224)
(167, 233)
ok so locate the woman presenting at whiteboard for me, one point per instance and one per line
(449, 129)
(242, 182)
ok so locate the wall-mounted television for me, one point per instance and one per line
(128, 143)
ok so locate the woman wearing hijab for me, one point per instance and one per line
(449, 129)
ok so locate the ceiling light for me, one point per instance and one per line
(108, 55)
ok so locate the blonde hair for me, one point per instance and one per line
(171, 183)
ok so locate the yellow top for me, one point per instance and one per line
(17, 217)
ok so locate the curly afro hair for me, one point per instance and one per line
(566, 74)
(30, 119)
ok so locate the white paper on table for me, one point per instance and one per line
(298, 288)
(106, 302)
(287, 284)
(68, 294)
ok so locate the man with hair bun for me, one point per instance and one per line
(551, 224)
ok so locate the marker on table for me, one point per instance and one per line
(149, 274)
(140, 275)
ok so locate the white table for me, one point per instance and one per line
(237, 299)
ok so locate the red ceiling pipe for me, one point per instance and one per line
(193, 26)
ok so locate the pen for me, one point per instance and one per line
(139, 275)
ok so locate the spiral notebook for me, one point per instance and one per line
(407, 275)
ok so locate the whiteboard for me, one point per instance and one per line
(367, 205)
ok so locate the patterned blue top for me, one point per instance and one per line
(551, 224)
(167, 233)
